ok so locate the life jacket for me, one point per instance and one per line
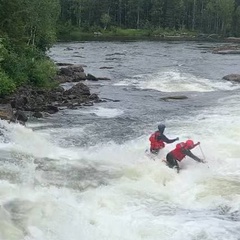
(155, 143)
(177, 152)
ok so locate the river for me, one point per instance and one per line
(84, 174)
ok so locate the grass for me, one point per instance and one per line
(113, 33)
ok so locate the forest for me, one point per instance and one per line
(220, 17)
(28, 28)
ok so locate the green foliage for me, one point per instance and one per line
(115, 31)
(26, 64)
(236, 22)
(31, 22)
(3, 50)
(207, 16)
(105, 20)
(64, 28)
(16, 67)
(42, 73)
(7, 85)
(28, 29)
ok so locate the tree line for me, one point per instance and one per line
(207, 16)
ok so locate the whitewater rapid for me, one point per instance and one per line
(84, 174)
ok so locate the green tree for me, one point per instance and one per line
(236, 22)
(105, 19)
(209, 16)
(28, 29)
(30, 21)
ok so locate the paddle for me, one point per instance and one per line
(203, 161)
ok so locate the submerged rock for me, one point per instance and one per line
(180, 97)
(227, 49)
(232, 77)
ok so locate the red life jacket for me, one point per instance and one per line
(156, 144)
(177, 152)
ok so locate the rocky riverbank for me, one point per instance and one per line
(35, 102)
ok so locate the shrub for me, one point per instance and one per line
(7, 85)
(26, 64)
(42, 73)
(16, 67)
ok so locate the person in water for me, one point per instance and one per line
(180, 152)
(158, 140)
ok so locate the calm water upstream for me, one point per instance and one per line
(83, 174)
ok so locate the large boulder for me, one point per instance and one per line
(78, 89)
(20, 116)
(72, 73)
(5, 115)
(232, 77)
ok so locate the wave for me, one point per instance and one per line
(176, 81)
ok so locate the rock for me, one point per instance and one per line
(180, 97)
(77, 68)
(227, 52)
(227, 49)
(77, 56)
(66, 72)
(109, 99)
(106, 68)
(41, 101)
(51, 109)
(71, 106)
(103, 78)
(4, 115)
(64, 64)
(91, 77)
(117, 53)
(37, 115)
(94, 96)
(62, 79)
(79, 76)
(20, 116)
(19, 102)
(59, 89)
(232, 77)
(78, 89)
(73, 73)
(68, 49)
(72, 96)
(233, 39)
(113, 58)
(88, 104)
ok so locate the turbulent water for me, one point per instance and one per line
(84, 174)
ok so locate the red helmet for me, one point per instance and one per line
(189, 144)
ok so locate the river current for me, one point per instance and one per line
(84, 173)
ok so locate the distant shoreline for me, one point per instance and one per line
(108, 37)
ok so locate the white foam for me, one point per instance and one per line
(175, 81)
(105, 112)
(139, 197)
(145, 199)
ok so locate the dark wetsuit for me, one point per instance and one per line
(172, 161)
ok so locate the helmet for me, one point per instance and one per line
(189, 144)
(161, 128)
